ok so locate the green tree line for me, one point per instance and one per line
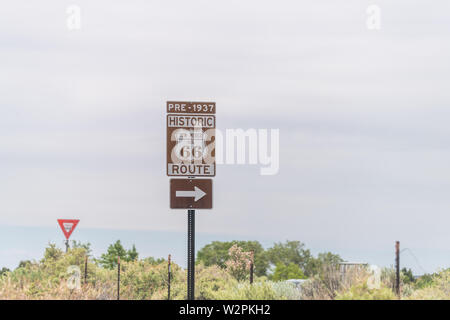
(284, 260)
(288, 260)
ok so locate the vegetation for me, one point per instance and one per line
(285, 272)
(431, 287)
(4, 270)
(222, 272)
(216, 253)
(110, 258)
(289, 252)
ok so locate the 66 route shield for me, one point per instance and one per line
(191, 139)
(190, 193)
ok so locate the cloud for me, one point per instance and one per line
(362, 115)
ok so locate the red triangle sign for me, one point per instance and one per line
(67, 226)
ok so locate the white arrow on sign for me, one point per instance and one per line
(197, 194)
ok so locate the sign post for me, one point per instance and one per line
(191, 255)
(67, 227)
(191, 153)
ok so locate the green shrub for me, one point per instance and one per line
(246, 291)
(286, 291)
(211, 280)
(362, 292)
(145, 280)
(438, 288)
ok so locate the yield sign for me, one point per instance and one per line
(67, 226)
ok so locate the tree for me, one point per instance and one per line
(289, 252)
(315, 266)
(424, 281)
(132, 254)
(4, 270)
(285, 272)
(79, 244)
(216, 253)
(239, 263)
(295, 252)
(109, 259)
(24, 263)
(407, 276)
(154, 261)
(52, 253)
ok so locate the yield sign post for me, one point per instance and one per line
(67, 227)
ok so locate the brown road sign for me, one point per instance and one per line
(191, 193)
(191, 139)
(191, 107)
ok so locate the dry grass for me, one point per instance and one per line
(48, 279)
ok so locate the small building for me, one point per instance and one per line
(345, 267)
(350, 269)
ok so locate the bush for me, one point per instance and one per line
(286, 291)
(246, 291)
(436, 289)
(145, 280)
(362, 292)
(210, 280)
(50, 278)
(239, 263)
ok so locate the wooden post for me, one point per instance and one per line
(118, 278)
(397, 268)
(168, 278)
(252, 257)
(85, 269)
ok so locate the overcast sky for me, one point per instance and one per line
(363, 118)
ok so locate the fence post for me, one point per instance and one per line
(85, 269)
(118, 278)
(252, 259)
(397, 268)
(168, 278)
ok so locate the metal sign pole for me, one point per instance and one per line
(191, 255)
(67, 245)
(190, 125)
